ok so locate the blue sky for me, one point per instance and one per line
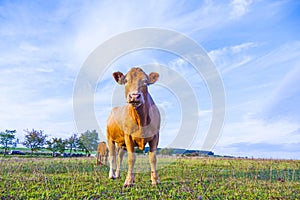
(255, 46)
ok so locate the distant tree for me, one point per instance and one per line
(56, 145)
(34, 140)
(137, 150)
(61, 145)
(72, 143)
(6, 139)
(81, 146)
(88, 141)
(166, 151)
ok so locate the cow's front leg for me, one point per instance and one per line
(112, 160)
(130, 177)
(154, 175)
(152, 159)
(121, 153)
(131, 161)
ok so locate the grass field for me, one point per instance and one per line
(183, 178)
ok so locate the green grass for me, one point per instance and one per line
(209, 178)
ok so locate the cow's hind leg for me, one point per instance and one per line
(121, 152)
(105, 157)
(100, 160)
(97, 160)
(112, 159)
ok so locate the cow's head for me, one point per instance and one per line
(136, 83)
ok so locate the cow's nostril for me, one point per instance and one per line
(134, 96)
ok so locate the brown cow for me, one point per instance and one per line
(102, 153)
(134, 124)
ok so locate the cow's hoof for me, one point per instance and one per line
(118, 174)
(112, 177)
(156, 182)
(111, 174)
(154, 178)
(127, 185)
(128, 182)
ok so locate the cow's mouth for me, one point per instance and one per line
(135, 103)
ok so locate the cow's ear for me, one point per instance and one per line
(119, 77)
(153, 77)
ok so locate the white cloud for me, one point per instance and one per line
(54, 116)
(44, 70)
(232, 57)
(259, 131)
(256, 98)
(272, 81)
(239, 8)
(276, 134)
(99, 21)
(25, 46)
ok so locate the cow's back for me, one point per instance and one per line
(102, 148)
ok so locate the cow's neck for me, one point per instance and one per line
(143, 112)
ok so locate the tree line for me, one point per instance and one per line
(37, 139)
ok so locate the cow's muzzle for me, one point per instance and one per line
(135, 99)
